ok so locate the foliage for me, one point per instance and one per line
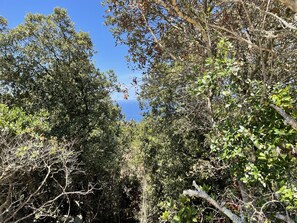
(183, 211)
(220, 83)
(213, 70)
(16, 122)
(46, 67)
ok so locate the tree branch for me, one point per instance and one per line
(200, 193)
(284, 218)
(292, 122)
(175, 10)
(291, 4)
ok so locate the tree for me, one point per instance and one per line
(46, 65)
(214, 72)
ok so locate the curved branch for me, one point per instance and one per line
(292, 122)
(200, 193)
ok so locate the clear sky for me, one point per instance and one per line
(88, 17)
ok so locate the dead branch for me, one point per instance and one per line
(200, 193)
(288, 120)
(28, 168)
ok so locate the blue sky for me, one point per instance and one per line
(88, 17)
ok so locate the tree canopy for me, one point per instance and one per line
(221, 84)
(46, 66)
(218, 141)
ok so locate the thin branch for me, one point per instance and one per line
(154, 36)
(31, 195)
(175, 10)
(281, 20)
(238, 37)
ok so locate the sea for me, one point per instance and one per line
(131, 110)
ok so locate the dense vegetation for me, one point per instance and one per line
(218, 143)
(46, 69)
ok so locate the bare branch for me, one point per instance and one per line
(200, 193)
(292, 122)
(29, 166)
